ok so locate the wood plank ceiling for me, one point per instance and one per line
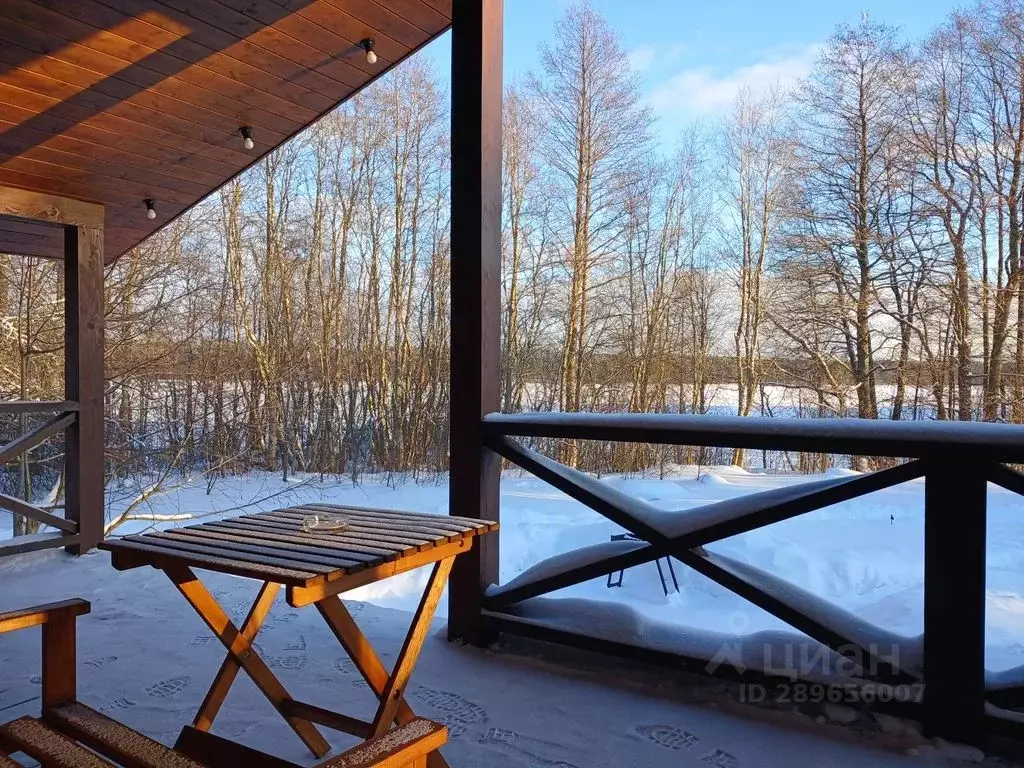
(116, 101)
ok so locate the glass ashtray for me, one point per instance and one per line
(321, 523)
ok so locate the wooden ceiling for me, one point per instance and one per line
(116, 101)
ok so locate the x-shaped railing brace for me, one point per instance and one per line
(713, 522)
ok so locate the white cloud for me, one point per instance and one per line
(641, 59)
(710, 90)
(644, 57)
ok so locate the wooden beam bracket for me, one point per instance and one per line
(39, 206)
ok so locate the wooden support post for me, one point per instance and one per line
(59, 660)
(954, 601)
(83, 382)
(476, 288)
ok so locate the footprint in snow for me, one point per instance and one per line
(345, 666)
(509, 738)
(293, 661)
(720, 759)
(170, 687)
(101, 662)
(667, 736)
(455, 728)
(299, 644)
(116, 705)
(458, 707)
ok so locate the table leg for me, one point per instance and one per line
(394, 689)
(229, 669)
(242, 652)
(369, 664)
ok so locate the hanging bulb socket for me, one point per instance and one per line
(246, 133)
(368, 45)
(150, 208)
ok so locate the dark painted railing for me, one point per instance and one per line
(66, 529)
(957, 461)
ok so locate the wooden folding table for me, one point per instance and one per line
(314, 568)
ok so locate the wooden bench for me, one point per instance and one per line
(69, 734)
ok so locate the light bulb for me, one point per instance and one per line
(246, 133)
(247, 143)
(150, 214)
(150, 208)
(367, 45)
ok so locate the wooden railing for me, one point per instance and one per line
(80, 416)
(67, 533)
(956, 461)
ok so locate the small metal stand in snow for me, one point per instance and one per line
(615, 580)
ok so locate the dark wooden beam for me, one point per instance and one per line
(476, 288)
(861, 437)
(35, 437)
(83, 382)
(816, 617)
(37, 406)
(33, 512)
(1006, 477)
(38, 206)
(33, 542)
(954, 601)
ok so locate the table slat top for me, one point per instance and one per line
(273, 546)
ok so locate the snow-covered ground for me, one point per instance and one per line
(146, 659)
(864, 555)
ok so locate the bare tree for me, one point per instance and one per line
(758, 183)
(850, 119)
(595, 133)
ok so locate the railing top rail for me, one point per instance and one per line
(36, 406)
(866, 437)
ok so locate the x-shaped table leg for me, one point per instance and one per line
(241, 655)
(229, 669)
(390, 689)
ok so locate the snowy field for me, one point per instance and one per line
(864, 555)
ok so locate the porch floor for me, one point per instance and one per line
(146, 659)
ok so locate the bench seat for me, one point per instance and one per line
(70, 734)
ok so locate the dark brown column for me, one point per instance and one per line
(954, 600)
(83, 381)
(476, 289)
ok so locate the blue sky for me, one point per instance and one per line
(692, 55)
